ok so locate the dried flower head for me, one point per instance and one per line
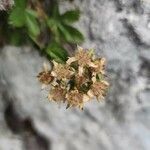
(98, 89)
(80, 80)
(74, 98)
(81, 56)
(57, 94)
(77, 81)
(45, 76)
(99, 66)
(61, 71)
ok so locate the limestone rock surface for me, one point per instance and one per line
(118, 30)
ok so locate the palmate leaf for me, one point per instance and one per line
(33, 27)
(21, 16)
(71, 34)
(70, 16)
(31, 23)
(31, 12)
(53, 25)
(20, 3)
(61, 32)
(55, 10)
(57, 53)
(24, 17)
(17, 15)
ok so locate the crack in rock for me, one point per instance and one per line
(136, 5)
(132, 34)
(118, 5)
(25, 128)
(145, 68)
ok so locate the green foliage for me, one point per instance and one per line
(31, 23)
(60, 25)
(70, 34)
(70, 16)
(17, 16)
(56, 52)
(50, 31)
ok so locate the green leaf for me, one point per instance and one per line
(20, 3)
(15, 38)
(71, 34)
(17, 17)
(53, 26)
(32, 13)
(70, 16)
(57, 53)
(64, 33)
(35, 40)
(32, 24)
(55, 10)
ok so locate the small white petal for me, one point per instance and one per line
(80, 71)
(105, 82)
(90, 93)
(79, 48)
(70, 60)
(94, 79)
(86, 98)
(55, 63)
(93, 65)
(53, 73)
(54, 83)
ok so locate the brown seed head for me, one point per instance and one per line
(74, 98)
(99, 66)
(77, 81)
(99, 89)
(45, 77)
(57, 94)
(62, 71)
(80, 80)
(83, 57)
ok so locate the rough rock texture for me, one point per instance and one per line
(6, 4)
(118, 30)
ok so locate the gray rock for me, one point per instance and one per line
(6, 4)
(118, 30)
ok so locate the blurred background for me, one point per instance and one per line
(118, 30)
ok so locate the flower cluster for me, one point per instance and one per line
(77, 81)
